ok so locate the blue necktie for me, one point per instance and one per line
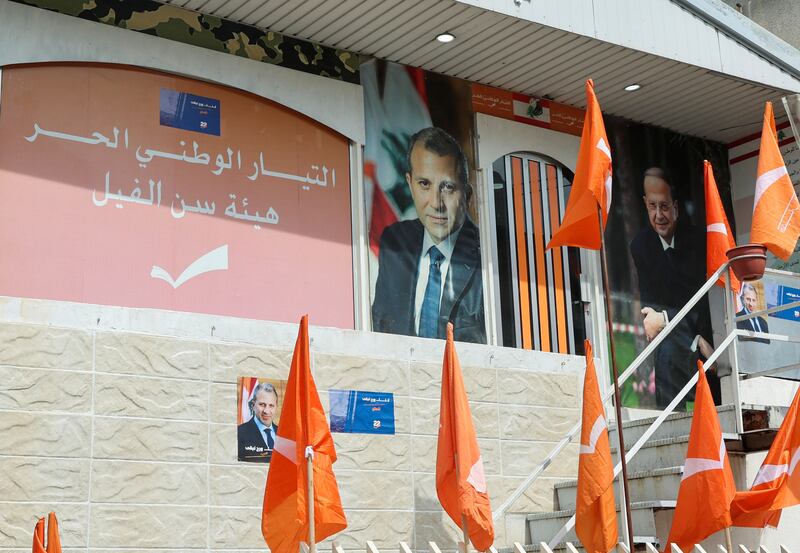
(270, 441)
(429, 314)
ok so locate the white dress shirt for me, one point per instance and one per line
(446, 248)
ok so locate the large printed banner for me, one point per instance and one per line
(128, 187)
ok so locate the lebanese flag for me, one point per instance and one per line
(460, 479)
(38, 537)
(595, 513)
(592, 184)
(249, 384)
(707, 488)
(53, 539)
(777, 484)
(776, 211)
(302, 433)
(719, 238)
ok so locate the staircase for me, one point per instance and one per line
(654, 475)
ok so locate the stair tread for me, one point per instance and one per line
(666, 471)
(647, 421)
(546, 515)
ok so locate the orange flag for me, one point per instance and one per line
(707, 487)
(592, 184)
(595, 513)
(53, 539)
(719, 238)
(303, 432)
(38, 537)
(777, 484)
(460, 479)
(776, 211)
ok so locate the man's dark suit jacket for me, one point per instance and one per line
(252, 444)
(747, 325)
(667, 281)
(398, 266)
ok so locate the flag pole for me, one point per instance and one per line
(464, 527)
(312, 542)
(617, 396)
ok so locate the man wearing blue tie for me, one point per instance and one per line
(429, 268)
(257, 436)
(756, 324)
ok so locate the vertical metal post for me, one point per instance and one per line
(617, 396)
(730, 326)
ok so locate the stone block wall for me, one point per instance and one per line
(123, 422)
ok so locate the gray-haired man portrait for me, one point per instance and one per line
(257, 436)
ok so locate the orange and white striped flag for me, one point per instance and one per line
(38, 537)
(303, 433)
(592, 184)
(719, 238)
(460, 478)
(707, 487)
(777, 484)
(776, 211)
(595, 513)
(53, 537)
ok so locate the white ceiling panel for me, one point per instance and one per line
(527, 57)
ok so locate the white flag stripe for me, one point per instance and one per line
(717, 227)
(768, 473)
(608, 193)
(287, 448)
(477, 476)
(766, 180)
(603, 147)
(597, 429)
(695, 465)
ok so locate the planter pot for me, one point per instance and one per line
(748, 262)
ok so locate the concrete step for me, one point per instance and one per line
(544, 526)
(650, 485)
(675, 425)
(657, 454)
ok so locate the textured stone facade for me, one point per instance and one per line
(130, 435)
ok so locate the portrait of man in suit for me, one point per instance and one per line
(670, 264)
(429, 268)
(256, 437)
(750, 304)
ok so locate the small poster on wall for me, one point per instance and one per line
(358, 412)
(258, 409)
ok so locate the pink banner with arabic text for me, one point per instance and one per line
(128, 187)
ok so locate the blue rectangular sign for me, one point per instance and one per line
(182, 110)
(353, 411)
(788, 295)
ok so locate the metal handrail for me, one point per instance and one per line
(668, 410)
(559, 447)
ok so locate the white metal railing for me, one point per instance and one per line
(640, 359)
(516, 547)
(730, 340)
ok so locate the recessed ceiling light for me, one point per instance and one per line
(632, 87)
(445, 37)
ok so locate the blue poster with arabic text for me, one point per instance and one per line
(358, 412)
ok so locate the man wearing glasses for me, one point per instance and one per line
(670, 263)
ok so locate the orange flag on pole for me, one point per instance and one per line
(719, 238)
(38, 537)
(707, 487)
(777, 484)
(303, 432)
(776, 211)
(592, 184)
(460, 479)
(595, 513)
(53, 539)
